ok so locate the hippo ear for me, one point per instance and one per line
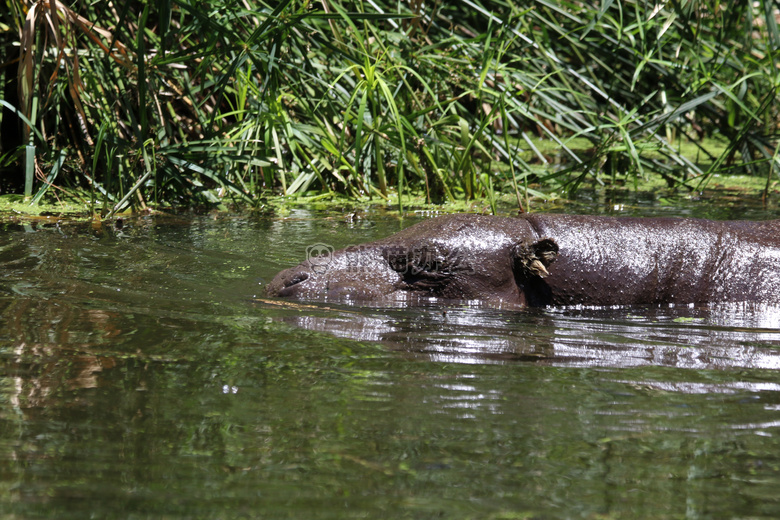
(534, 259)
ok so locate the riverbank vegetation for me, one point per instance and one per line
(152, 104)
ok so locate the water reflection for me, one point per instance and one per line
(712, 337)
(466, 400)
(141, 378)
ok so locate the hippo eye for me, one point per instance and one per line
(421, 268)
(398, 262)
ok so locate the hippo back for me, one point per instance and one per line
(609, 261)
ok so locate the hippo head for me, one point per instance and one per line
(458, 257)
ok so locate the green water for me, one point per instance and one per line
(143, 375)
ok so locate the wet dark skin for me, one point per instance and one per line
(540, 260)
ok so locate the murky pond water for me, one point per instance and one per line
(144, 375)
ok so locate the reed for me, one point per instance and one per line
(184, 103)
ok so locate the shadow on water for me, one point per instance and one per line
(144, 374)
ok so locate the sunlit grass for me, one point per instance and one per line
(183, 103)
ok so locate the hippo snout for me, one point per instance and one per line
(347, 275)
(291, 285)
(298, 278)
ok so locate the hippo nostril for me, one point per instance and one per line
(298, 278)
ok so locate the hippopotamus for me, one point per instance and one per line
(547, 259)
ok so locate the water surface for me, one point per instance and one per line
(143, 374)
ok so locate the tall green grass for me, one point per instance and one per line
(181, 102)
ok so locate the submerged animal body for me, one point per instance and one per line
(545, 259)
